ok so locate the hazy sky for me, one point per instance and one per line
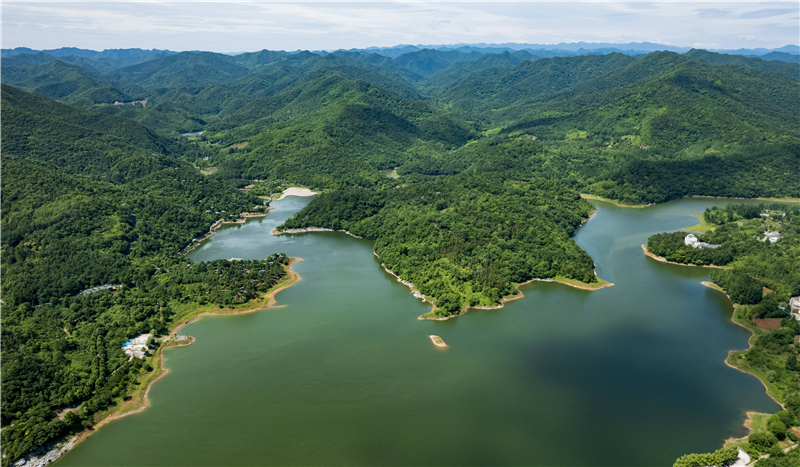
(248, 26)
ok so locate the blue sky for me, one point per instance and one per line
(324, 25)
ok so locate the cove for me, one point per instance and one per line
(344, 373)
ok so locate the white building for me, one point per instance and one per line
(771, 236)
(692, 241)
(794, 306)
(136, 347)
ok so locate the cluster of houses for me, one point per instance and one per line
(143, 102)
(136, 347)
(97, 289)
(771, 236)
(794, 307)
(692, 241)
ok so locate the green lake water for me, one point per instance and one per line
(344, 373)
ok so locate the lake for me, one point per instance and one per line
(344, 373)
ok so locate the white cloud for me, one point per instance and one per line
(224, 27)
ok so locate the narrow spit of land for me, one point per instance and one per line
(431, 315)
(614, 202)
(664, 260)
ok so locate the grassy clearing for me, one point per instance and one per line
(702, 227)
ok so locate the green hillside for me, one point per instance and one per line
(791, 70)
(67, 83)
(677, 108)
(81, 142)
(445, 79)
(481, 93)
(186, 69)
(88, 200)
(95, 66)
(332, 129)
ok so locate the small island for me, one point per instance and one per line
(437, 341)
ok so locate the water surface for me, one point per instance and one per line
(344, 373)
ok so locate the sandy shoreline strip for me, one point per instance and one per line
(661, 259)
(311, 229)
(297, 191)
(141, 403)
(615, 203)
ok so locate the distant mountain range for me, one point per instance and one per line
(567, 49)
(126, 57)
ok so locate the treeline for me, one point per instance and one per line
(755, 172)
(465, 240)
(734, 212)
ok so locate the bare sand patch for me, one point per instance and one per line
(297, 191)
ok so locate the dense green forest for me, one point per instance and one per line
(91, 200)
(492, 148)
(464, 240)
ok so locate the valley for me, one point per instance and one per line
(473, 175)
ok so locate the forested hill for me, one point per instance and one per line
(343, 132)
(184, 69)
(41, 131)
(84, 194)
(90, 200)
(69, 83)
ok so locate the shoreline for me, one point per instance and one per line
(714, 286)
(587, 196)
(437, 341)
(661, 259)
(275, 231)
(509, 298)
(196, 242)
(748, 423)
(776, 200)
(141, 402)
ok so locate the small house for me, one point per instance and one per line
(773, 237)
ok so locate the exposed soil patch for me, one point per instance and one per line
(769, 324)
